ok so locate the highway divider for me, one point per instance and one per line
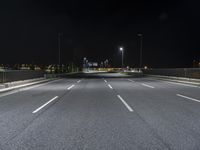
(9, 86)
(18, 75)
(176, 79)
(192, 73)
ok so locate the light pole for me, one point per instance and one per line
(84, 64)
(122, 50)
(59, 48)
(141, 46)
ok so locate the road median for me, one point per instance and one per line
(176, 79)
(9, 86)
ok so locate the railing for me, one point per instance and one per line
(16, 75)
(175, 72)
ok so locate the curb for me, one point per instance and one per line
(7, 89)
(176, 79)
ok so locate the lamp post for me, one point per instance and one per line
(59, 48)
(122, 50)
(141, 47)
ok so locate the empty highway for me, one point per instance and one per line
(101, 112)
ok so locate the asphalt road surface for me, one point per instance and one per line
(101, 114)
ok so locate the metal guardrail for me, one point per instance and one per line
(16, 75)
(175, 72)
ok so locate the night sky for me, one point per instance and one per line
(96, 28)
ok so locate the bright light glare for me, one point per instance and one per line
(121, 48)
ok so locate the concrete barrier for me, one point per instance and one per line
(193, 73)
(176, 79)
(17, 75)
(21, 84)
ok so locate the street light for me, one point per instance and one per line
(59, 48)
(122, 50)
(141, 45)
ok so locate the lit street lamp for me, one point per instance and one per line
(122, 50)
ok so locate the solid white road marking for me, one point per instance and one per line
(78, 81)
(193, 99)
(148, 85)
(38, 109)
(182, 84)
(105, 81)
(110, 86)
(131, 80)
(70, 87)
(124, 102)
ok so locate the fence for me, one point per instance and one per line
(16, 75)
(176, 72)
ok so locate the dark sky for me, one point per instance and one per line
(96, 28)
